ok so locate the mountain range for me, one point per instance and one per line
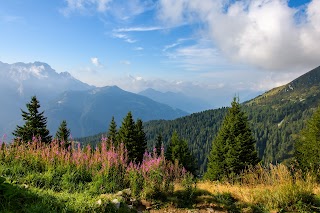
(87, 109)
(177, 100)
(20, 81)
(89, 112)
(276, 118)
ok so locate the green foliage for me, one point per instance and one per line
(22, 198)
(133, 136)
(113, 133)
(85, 171)
(63, 133)
(178, 151)
(189, 185)
(127, 134)
(35, 124)
(233, 148)
(307, 147)
(140, 141)
(158, 144)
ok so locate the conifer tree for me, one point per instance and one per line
(233, 149)
(178, 151)
(35, 124)
(63, 133)
(140, 141)
(307, 147)
(158, 144)
(129, 136)
(112, 134)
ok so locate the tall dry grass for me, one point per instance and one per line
(275, 187)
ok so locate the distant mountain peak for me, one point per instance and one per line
(66, 74)
(176, 100)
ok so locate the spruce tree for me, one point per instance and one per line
(112, 134)
(233, 149)
(127, 135)
(140, 141)
(35, 124)
(307, 147)
(63, 133)
(158, 145)
(178, 151)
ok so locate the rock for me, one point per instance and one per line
(116, 202)
(25, 186)
(119, 193)
(127, 191)
(99, 202)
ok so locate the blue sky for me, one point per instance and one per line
(199, 47)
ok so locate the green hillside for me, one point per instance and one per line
(276, 116)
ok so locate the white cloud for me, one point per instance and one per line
(85, 5)
(201, 56)
(129, 40)
(125, 62)
(120, 9)
(125, 37)
(263, 33)
(95, 61)
(138, 48)
(138, 29)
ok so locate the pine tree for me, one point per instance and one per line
(140, 141)
(127, 135)
(233, 149)
(63, 133)
(35, 124)
(307, 147)
(113, 133)
(158, 145)
(178, 151)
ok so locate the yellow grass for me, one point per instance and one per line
(274, 187)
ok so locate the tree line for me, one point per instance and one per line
(233, 148)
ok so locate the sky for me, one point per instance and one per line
(204, 48)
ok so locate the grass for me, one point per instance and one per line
(47, 178)
(22, 198)
(272, 189)
(73, 179)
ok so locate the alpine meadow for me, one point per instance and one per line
(187, 106)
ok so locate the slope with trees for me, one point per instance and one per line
(276, 118)
(307, 146)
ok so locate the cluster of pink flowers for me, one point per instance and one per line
(96, 161)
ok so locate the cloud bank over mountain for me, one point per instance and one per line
(264, 33)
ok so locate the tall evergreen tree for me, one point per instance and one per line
(158, 145)
(127, 135)
(113, 133)
(63, 133)
(233, 149)
(35, 124)
(140, 141)
(307, 147)
(178, 151)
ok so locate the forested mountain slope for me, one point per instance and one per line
(276, 117)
